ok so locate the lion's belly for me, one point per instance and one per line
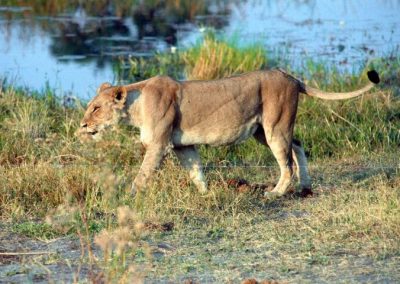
(216, 134)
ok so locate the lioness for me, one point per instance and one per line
(262, 104)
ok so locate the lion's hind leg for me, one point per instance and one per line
(301, 168)
(300, 161)
(190, 160)
(282, 153)
(281, 148)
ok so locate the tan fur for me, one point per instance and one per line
(262, 104)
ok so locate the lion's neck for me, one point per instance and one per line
(131, 109)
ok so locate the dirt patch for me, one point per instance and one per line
(241, 185)
(61, 260)
(24, 259)
(164, 227)
(254, 281)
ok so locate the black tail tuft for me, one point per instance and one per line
(373, 76)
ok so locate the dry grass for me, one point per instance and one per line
(288, 239)
(214, 59)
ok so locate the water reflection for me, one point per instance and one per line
(84, 37)
(91, 38)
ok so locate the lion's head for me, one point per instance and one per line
(103, 110)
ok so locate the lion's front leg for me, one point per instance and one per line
(152, 160)
(157, 111)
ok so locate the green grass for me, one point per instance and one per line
(35, 230)
(215, 58)
(353, 146)
(170, 64)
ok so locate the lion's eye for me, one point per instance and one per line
(96, 108)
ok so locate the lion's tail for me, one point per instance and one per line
(372, 76)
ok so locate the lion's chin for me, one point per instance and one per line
(96, 137)
(85, 137)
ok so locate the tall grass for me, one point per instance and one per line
(170, 64)
(216, 58)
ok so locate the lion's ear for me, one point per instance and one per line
(103, 87)
(119, 95)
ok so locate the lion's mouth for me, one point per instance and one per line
(94, 132)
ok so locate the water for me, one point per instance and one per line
(74, 52)
(343, 32)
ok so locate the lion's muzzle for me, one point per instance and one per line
(85, 133)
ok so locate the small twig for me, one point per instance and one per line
(345, 120)
(16, 253)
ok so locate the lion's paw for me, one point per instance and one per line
(271, 195)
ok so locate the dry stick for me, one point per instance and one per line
(345, 120)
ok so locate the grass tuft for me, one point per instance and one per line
(214, 58)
